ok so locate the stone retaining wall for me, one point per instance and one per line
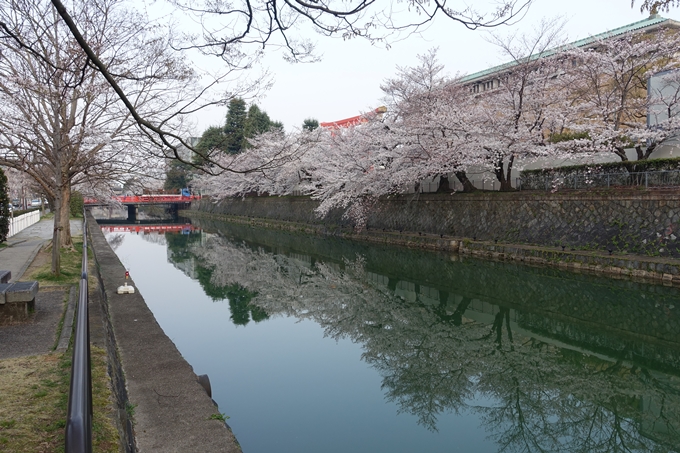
(633, 221)
(629, 234)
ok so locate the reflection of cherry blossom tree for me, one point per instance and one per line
(433, 358)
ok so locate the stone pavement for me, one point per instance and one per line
(25, 245)
(38, 334)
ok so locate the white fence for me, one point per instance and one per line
(23, 221)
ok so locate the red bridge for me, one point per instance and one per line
(146, 199)
(134, 201)
(146, 229)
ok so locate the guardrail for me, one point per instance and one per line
(23, 221)
(555, 182)
(79, 418)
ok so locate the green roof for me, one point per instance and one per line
(652, 20)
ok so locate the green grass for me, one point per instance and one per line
(220, 417)
(34, 398)
(70, 269)
(34, 390)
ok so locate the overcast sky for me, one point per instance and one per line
(347, 81)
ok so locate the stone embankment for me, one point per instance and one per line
(622, 234)
(162, 406)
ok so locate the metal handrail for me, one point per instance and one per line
(553, 182)
(79, 419)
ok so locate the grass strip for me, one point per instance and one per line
(33, 403)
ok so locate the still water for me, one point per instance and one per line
(322, 345)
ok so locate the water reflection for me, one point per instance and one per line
(549, 361)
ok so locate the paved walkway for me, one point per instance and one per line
(25, 245)
(38, 334)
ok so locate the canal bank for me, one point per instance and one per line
(307, 338)
(622, 235)
(161, 405)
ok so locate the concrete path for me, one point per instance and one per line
(25, 245)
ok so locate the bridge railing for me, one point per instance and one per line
(136, 199)
(78, 437)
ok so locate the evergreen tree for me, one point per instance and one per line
(257, 121)
(239, 126)
(177, 176)
(310, 124)
(213, 139)
(234, 129)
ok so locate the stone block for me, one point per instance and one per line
(21, 292)
(18, 301)
(3, 290)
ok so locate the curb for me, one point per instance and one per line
(67, 326)
(32, 256)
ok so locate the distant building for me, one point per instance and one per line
(489, 79)
(185, 153)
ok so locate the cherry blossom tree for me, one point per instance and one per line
(527, 103)
(611, 92)
(434, 111)
(62, 124)
(274, 163)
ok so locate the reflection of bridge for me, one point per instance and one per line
(146, 229)
(134, 201)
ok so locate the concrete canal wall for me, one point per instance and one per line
(629, 233)
(162, 406)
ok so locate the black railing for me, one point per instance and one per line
(79, 419)
(555, 182)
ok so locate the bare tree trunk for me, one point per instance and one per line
(644, 155)
(621, 152)
(65, 216)
(56, 238)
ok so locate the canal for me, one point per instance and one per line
(317, 344)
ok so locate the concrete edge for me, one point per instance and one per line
(161, 405)
(25, 266)
(67, 325)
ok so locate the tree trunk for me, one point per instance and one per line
(444, 186)
(65, 216)
(644, 155)
(504, 179)
(56, 238)
(621, 152)
(467, 184)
